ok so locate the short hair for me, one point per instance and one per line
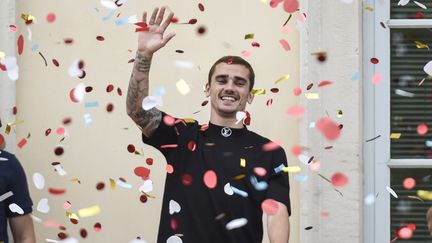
(234, 60)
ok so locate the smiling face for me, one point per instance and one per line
(228, 90)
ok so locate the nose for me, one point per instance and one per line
(230, 84)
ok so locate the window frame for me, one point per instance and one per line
(376, 119)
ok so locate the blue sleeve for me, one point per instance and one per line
(18, 186)
(279, 187)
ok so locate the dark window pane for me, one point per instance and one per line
(411, 103)
(411, 10)
(405, 210)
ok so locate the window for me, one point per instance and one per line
(398, 113)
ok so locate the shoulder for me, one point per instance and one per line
(9, 162)
(265, 143)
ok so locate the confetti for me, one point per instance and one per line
(51, 17)
(421, 5)
(270, 206)
(409, 183)
(301, 178)
(249, 36)
(210, 179)
(10, 63)
(422, 129)
(272, 145)
(20, 44)
(376, 78)
(182, 87)
(428, 68)
(312, 96)
(285, 44)
(174, 239)
(88, 212)
(108, 4)
(296, 110)
(324, 83)
(6, 196)
(236, 223)
(240, 115)
(201, 30)
(142, 172)
(286, 77)
(152, 101)
(122, 183)
(392, 192)
(239, 192)
(369, 199)
(259, 186)
(43, 206)
(228, 190)
(395, 135)
(339, 180)
(21, 143)
(421, 45)
(146, 187)
(97, 227)
(174, 207)
(14, 208)
(201, 7)
(405, 233)
(258, 91)
(404, 93)
(297, 91)
(425, 195)
(55, 191)
(328, 128)
(242, 162)
(290, 6)
(403, 2)
(291, 169)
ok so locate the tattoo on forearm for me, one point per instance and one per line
(142, 63)
(148, 121)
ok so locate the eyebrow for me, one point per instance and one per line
(235, 77)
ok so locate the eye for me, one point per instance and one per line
(221, 80)
(240, 82)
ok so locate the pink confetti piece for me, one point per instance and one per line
(376, 79)
(291, 6)
(422, 129)
(285, 44)
(51, 17)
(272, 145)
(328, 128)
(169, 146)
(339, 180)
(245, 54)
(409, 183)
(210, 179)
(260, 171)
(405, 233)
(60, 131)
(297, 91)
(169, 169)
(324, 83)
(296, 110)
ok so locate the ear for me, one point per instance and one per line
(250, 97)
(207, 90)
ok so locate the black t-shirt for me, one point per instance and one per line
(13, 189)
(207, 211)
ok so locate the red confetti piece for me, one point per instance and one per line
(210, 179)
(143, 27)
(62, 235)
(109, 88)
(169, 146)
(83, 233)
(192, 21)
(169, 169)
(88, 89)
(131, 148)
(149, 161)
(55, 191)
(409, 183)
(411, 226)
(272, 145)
(339, 180)
(247, 120)
(2, 140)
(3, 67)
(72, 96)
(374, 60)
(322, 57)
(179, 51)
(201, 30)
(67, 121)
(274, 90)
(119, 92)
(422, 129)
(174, 20)
(110, 107)
(55, 62)
(58, 151)
(174, 224)
(201, 7)
(20, 44)
(14, 110)
(143, 198)
(22, 142)
(68, 41)
(419, 15)
(269, 206)
(142, 172)
(328, 128)
(73, 221)
(12, 28)
(255, 44)
(297, 91)
(296, 110)
(204, 103)
(100, 38)
(97, 227)
(285, 44)
(405, 233)
(383, 25)
(309, 86)
(324, 83)
(296, 150)
(275, 3)
(169, 120)
(191, 145)
(186, 179)
(100, 186)
(51, 17)
(269, 102)
(290, 6)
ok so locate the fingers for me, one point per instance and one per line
(167, 21)
(144, 18)
(153, 17)
(160, 16)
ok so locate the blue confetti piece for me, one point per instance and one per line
(160, 91)
(123, 184)
(239, 192)
(259, 186)
(34, 47)
(301, 178)
(122, 21)
(108, 16)
(91, 104)
(279, 168)
(88, 119)
(356, 76)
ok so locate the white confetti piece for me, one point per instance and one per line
(14, 208)
(88, 119)
(228, 190)
(174, 207)
(304, 159)
(6, 196)
(59, 169)
(69, 240)
(240, 115)
(11, 67)
(38, 180)
(183, 87)
(137, 241)
(184, 64)
(123, 184)
(369, 199)
(43, 206)
(152, 101)
(421, 5)
(174, 239)
(404, 93)
(391, 192)
(108, 4)
(236, 223)
(428, 68)
(403, 2)
(146, 187)
(74, 70)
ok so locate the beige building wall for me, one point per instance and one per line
(97, 152)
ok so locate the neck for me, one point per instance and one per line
(229, 121)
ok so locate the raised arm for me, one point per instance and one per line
(149, 41)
